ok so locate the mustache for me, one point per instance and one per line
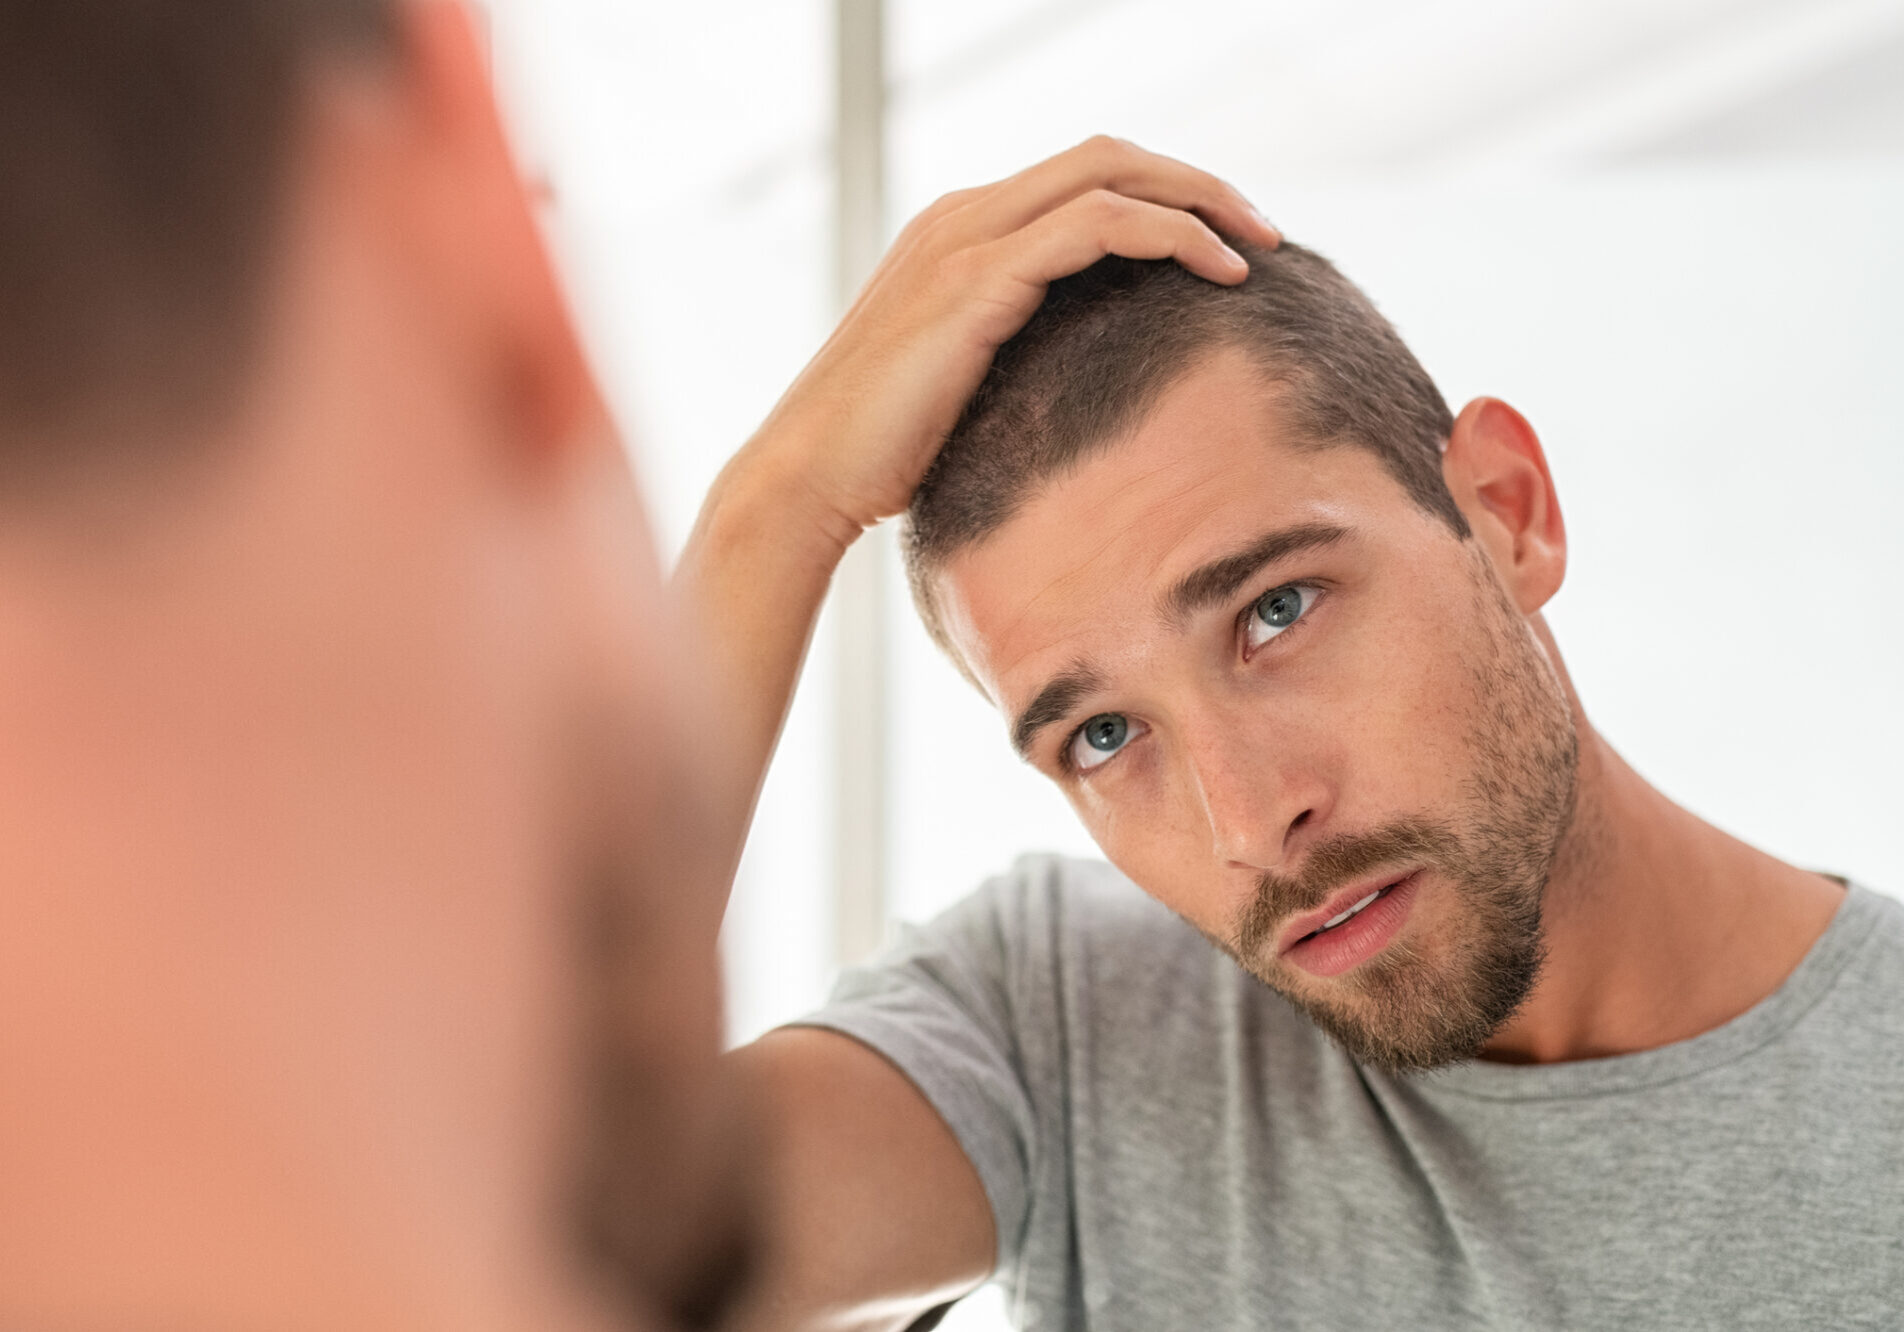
(1331, 866)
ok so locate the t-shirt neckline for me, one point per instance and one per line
(1758, 1026)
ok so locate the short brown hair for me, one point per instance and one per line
(1108, 342)
(141, 147)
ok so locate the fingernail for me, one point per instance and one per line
(1266, 224)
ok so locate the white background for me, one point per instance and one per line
(1667, 231)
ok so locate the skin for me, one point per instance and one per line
(321, 740)
(1256, 768)
(1359, 714)
(1656, 925)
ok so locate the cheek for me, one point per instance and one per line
(1146, 831)
(1116, 830)
(1399, 700)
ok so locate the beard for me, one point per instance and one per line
(1406, 1010)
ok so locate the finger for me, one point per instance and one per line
(911, 237)
(1078, 234)
(1105, 164)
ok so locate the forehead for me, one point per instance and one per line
(1080, 570)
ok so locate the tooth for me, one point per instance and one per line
(1352, 910)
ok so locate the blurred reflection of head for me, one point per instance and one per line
(358, 966)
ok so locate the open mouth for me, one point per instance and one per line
(1358, 932)
(1350, 914)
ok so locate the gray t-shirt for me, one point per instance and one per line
(1167, 1144)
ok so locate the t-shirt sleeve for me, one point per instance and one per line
(940, 1004)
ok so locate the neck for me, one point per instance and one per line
(1658, 925)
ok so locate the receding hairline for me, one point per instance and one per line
(929, 566)
(1110, 342)
(1275, 377)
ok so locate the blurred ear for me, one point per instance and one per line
(468, 218)
(1497, 473)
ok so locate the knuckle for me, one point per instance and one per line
(933, 219)
(914, 228)
(1195, 227)
(921, 226)
(940, 209)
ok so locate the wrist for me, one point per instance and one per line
(769, 493)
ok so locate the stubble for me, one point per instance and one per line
(1406, 1010)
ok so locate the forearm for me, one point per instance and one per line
(752, 579)
(873, 1215)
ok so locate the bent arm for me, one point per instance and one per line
(875, 1215)
(752, 578)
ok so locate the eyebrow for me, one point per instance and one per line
(1053, 703)
(1220, 579)
(1204, 586)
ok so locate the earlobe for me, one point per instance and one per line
(1497, 472)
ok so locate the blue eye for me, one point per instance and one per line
(1277, 609)
(1101, 737)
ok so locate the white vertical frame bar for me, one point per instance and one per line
(860, 681)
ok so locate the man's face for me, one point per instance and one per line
(1274, 688)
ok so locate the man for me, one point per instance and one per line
(357, 958)
(1493, 1034)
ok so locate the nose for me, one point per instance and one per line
(1260, 797)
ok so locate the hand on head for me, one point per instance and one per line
(848, 443)
(863, 421)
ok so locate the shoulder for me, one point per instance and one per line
(1061, 935)
(1875, 950)
(1874, 923)
(1887, 914)
(1851, 987)
(1071, 906)
(1051, 931)
(1058, 956)
(1023, 935)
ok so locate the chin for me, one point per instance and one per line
(1405, 1011)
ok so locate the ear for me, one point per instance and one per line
(472, 216)
(1497, 473)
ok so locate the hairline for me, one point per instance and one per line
(1276, 374)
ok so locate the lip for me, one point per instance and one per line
(1307, 924)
